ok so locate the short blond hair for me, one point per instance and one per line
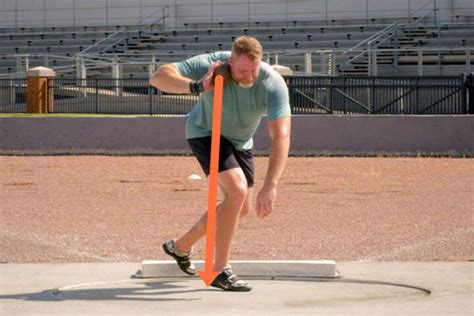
(249, 46)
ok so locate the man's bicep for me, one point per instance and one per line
(193, 68)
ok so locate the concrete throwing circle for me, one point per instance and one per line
(279, 293)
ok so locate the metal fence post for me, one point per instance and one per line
(96, 95)
(116, 76)
(12, 94)
(369, 63)
(372, 96)
(333, 63)
(345, 92)
(150, 98)
(420, 63)
(440, 62)
(81, 75)
(323, 63)
(107, 15)
(326, 12)
(330, 99)
(330, 63)
(468, 61)
(464, 88)
(18, 67)
(152, 66)
(417, 95)
(396, 50)
(470, 94)
(308, 63)
(27, 63)
(409, 14)
(374, 60)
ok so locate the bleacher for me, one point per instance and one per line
(136, 46)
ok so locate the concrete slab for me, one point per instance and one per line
(105, 288)
(252, 268)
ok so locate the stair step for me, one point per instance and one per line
(417, 31)
(355, 73)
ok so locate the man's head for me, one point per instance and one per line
(245, 60)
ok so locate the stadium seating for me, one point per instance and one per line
(137, 45)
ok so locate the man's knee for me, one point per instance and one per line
(237, 191)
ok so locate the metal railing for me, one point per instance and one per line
(470, 94)
(309, 95)
(120, 34)
(373, 42)
(429, 60)
(379, 95)
(115, 96)
(151, 20)
(425, 11)
(13, 95)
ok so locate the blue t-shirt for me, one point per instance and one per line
(242, 108)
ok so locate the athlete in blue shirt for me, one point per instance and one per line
(252, 88)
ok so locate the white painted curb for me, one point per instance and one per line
(271, 268)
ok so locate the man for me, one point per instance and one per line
(252, 88)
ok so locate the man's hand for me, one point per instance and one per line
(265, 200)
(217, 68)
(208, 79)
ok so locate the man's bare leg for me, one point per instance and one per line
(186, 242)
(234, 187)
(236, 197)
(247, 204)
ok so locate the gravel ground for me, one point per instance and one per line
(100, 208)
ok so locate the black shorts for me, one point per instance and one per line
(229, 157)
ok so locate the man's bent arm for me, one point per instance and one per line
(168, 79)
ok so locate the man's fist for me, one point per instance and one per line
(224, 70)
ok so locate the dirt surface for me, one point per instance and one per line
(98, 208)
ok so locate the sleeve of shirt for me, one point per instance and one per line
(194, 68)
(278, 102)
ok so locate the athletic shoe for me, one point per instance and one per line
(228, 281)
(182, 259)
